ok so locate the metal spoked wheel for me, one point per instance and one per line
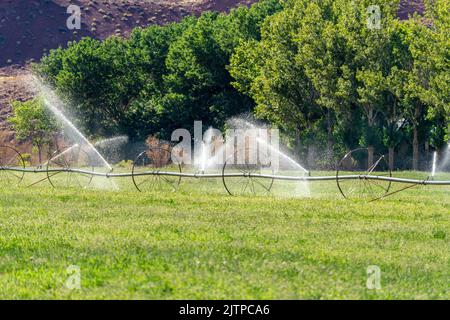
(11, 166)
(356, 162)
(59, 168)
(155, 169)
(240, 174)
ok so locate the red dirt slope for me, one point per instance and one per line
(29, 28)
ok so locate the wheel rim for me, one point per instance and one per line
(148, 166)
(355, 162)
(246, 183)
(10, 158)
(59, 168)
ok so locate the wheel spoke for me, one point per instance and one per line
(252, 188)
(378, 185)
(246, 185)
(14, 157)
(262, 185)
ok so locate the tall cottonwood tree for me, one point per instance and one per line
(271, 74)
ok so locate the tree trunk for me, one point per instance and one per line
(416, 139)
(330, 140)
(312, 157)
(371, 151)
(297, 143)
(40, 155)
(415, 150)
(55, 141)
(391, 158)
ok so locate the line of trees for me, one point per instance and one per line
(314, 68)
(159, 79)
(321, 69)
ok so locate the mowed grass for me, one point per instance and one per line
(199, 243)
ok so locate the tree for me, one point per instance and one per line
(327, 60)
(424, 97)
(438, 53)
(269, 72)
(244, 24)
(197, 67)
(31, 120)
(99, 81)
(133, 86)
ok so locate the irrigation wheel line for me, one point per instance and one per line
(6, 160)
(246, 180)
(19, 170)
(425, 182)
(364, 186)
(147, 168)
(64, 161)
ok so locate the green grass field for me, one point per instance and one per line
(199, 243)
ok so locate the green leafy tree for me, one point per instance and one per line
(31, 120)
(433, 68)
(438, 53)
(425, 95)
(100, 81)
(269, 72)
(135, 85)
(197, 67)
(328, 63)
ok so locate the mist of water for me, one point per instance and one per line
(283, 155)
(113, 142)
(111, 148)
(55, 105)
(286, 163)
(246, 124)
(433, 168)
(444, 164)
(212, 151)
